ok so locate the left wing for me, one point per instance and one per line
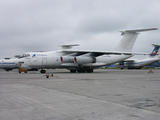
(98, 53)
(86, 56)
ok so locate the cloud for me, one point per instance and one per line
(32, 25)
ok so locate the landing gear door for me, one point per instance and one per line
(44, 62)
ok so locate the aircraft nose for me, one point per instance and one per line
(16, 61)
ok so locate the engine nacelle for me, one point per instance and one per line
(84, 60)
(67, 59)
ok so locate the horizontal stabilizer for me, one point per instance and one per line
(156, 45)
(139, 30)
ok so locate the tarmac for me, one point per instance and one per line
(106, 94)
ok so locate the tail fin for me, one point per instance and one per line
(155, 50)
(129, 38)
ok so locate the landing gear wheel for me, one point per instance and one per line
(73, 71)
(90, 71)
(43, 71)
(81, 71)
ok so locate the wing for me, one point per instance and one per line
(97, 53)
(84, 58)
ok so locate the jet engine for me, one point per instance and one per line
(84, 60)
(67, 59)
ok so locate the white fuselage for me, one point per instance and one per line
(139, 63)
(40, 60)
(144, 62)
(47, 60)
(111, 59)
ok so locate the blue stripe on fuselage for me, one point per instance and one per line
(7, 63)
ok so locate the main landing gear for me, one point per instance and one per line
(82, 71)
(43, 71)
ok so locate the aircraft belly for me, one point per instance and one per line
(111, 59)
(100, 61)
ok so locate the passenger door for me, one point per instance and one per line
(44, 62)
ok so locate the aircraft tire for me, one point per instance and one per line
(43, 71)
(73, 71)
(90, 71)
(131, 68)
(81, 71)
(138, 68)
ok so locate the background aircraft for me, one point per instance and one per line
(138, 64)
(8, 64)
(80, 60)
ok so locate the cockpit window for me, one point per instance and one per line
(25, 55)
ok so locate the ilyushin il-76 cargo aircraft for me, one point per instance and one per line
(81, 60)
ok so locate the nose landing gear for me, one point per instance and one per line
(43, 71)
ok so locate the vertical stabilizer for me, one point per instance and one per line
(129, 38)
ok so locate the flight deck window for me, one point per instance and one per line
(25, 55)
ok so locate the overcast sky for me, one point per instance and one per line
(43, 25)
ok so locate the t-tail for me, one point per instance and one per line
(129, 38)
(155, 50)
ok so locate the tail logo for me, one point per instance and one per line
(155, 51)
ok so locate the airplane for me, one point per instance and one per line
(8, 64)
(81, 60)
(138, 64)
